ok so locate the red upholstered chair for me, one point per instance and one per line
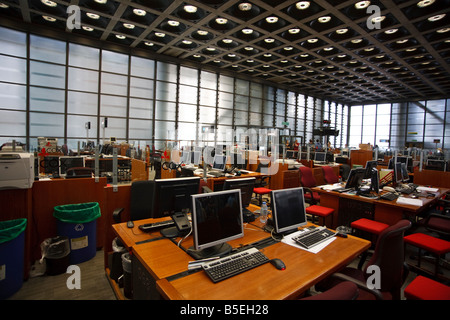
(436, 246)
(423, 288)
(308, 181)
(389, 257)
(261, 184)
(321, 212)
(346, 290)
(329, 175)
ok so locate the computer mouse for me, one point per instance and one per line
(277, 263)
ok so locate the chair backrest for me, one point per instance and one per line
(345, 290)
(291, 179)
(307, 178)
(329, 175)
(142, 195)
(389, 256)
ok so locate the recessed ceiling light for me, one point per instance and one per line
(342, 56)
(401, 41)
(328, 48)
(250, 60)
(101, 1)
(248, 48)
(436, 17)
(49, 3)
(187, 41)
(93, 15)
(288, 48)
(149, 44)
(227, 41)
(86, 28)
(378, 19)
(294, 30)
(443, 30)
(129, 25)
(245, 6)
(139, 12)
(302, 5)
(160, 34)
(342, 31)
(362, 4)
(202, 32)
(284, 61)
(3, 5)
(267, 55)
(411, 49)
(48, 18)
(313, 40)
(391, 31)
(197, 56)
(304, 55)
(369, 49)
(324, 19)
(190, 9)
(247, 31)
(425, 3)
(272, 19)
(211, 49)
(221, 20)
(173, 23)
(269, 40)
(231, 55)
(120, 36)
(357, 40)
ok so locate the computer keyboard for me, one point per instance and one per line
(216, 173)
(310, 238)
(226, 267)
(389, 196)
(156, 225)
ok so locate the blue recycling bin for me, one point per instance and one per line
(12, 246)
(78, 223)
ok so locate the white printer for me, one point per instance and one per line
(16, 170)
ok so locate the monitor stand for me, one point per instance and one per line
(215, 251)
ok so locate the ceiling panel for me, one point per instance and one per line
(327, 49)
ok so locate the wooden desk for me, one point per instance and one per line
(389, 212)
(162, 259)
(216, 183)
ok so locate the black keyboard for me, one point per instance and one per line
(310, 238)
(234, 264)
(391, 196)
(156, 225)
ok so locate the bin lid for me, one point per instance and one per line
(11, 229)
(77, 213)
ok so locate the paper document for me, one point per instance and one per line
(288, 240)
(427, 189)
(331, 186)
(409, 201)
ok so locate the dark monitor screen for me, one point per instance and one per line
(436, 164)
(375, 181)
(288, 209)
(372, 164)
(216, 218)
(174, 195)
(355, 178)
(304, 156)
(320, 156)
(66, 163)
(405, 175)
(238, 160)
(219, 162)
(290, 154)
(246, 186)
(391, 163)
(398, 172)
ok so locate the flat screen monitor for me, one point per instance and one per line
(291, 154)
(219, 162)
(405, 175)
(320, 156)
(370, 165)
(375, 181)
(50, 164)
(406, 160)
(304, 155)
(398, 177)
(216, 219)
(434, 164)
(69, 162)
(246, 186)
(355, 178)
(391, 163)
(288, 209)
(174, 195)
(345, 153)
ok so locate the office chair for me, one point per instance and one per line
(141, 201)
(345, 290)
(389, 257)
(329, 175)
(308, 181)
(261, 183)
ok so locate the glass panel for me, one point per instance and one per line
(13, 96)
(113, 106)
(187, 112)
(268, 120)
(188, 94)
(141, 67)
(83, 80)
(241, 102)
(13, 123)
(140, 129)
(116, 128)
(114, 84)
(82, 103)
(208, 97)
(242, 87)
(114, 62)
(225, 100)
(187, 131)
(255, 119)
(225, 116)
(46, 125)
(208, 80)
(140, 108)
(13, 70)
(164, 130)
(241, 118)
(50, 100)
(189, 76)
(207, 115)
(226, 83)
(165, 111)
(166, 91)
(49, 75)
(47, 49)
(76, 126)
(166, 71)
(268, 106)
(141, 88)
(13, 42)
(83, 56)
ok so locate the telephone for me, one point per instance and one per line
(390, 189)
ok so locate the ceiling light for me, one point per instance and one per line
(93, 15)
(49, 3)
(357, 40)
(302, 5)
(272, 19)
(101, 1)
(401, 41)
(269, 40)
(245, 6)
(120, 36)
(250, 60)
(425, 3)
(324, 19)
(149, 44)
(190, 9)
(86, 28)
(411, 49)
(391, 31)
(160, 34)
(294, 30)
(443, 30)
(173, 23)
(129, 25)
(3, 5)
(267, 55)
(221, 20)
(362, 4)
(197, 56)
(378, 19)
(328, 48)
(211, 49)
(48, 18)
(202, 32)
(186, 42)
(305, 55)
(436, 17)
(342, 56)
(231, 55)
(227, 41)
(342, 31)
(369, 49)
(288, 48)
(247, 31)
(248, 48)
(139, 12)
(314, 40)
(284, 61)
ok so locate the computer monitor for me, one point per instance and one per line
(398, 177)
(174, 195)
(375, 181)
(372, 164)
(68, 162)
(433, 164)
(406, 160)
(216, 219)
(246, 186)
(238, 160)
(219, 162)
(304, 155)
(288, 209)
(291, 154)
(320, 156)
(345, 153)
(405, 175)
(391, 163)
(355, 178)
(195, 157)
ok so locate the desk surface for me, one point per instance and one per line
(163, 258)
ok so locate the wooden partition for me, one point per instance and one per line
(432, 177)
(360, 157)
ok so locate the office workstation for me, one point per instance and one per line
(140, 106)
